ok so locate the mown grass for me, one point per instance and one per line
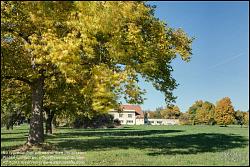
(132, 145)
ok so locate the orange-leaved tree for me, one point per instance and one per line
(224, 112)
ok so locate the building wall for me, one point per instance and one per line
(126, 117)
(162, 121)
(132, 120)
(139, 121)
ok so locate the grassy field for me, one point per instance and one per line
(132, 145)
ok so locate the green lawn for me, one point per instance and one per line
(133, 145)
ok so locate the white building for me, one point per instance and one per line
(130, 115)
(151, 121)
(133, 115)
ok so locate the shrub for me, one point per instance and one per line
(117, 122)
(97, 121)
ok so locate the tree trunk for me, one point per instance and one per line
(9, 123)
(49, 118)
(54, 123)
(36, 133)
(7, 127)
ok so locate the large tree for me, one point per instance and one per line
(205, 113)
(102, 47)
(193, 109)
(224, 112)
(202, 112)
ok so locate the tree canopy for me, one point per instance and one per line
(201, 112)
(224, 111)
(99, 47)
(171, 112)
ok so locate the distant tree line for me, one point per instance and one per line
(170, 112)
(203, 112)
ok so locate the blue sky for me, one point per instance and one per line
(220, 61)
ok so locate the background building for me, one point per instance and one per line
(133, 115)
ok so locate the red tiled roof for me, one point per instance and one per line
(137, 109)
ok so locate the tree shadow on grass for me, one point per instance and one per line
(12, 140)
(122, 128)
(118, 132)
(14, 133)
(158, 145)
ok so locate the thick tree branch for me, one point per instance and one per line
(17, 78)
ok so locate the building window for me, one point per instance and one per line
(129, 115)
(120, 115)
(129, 121)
